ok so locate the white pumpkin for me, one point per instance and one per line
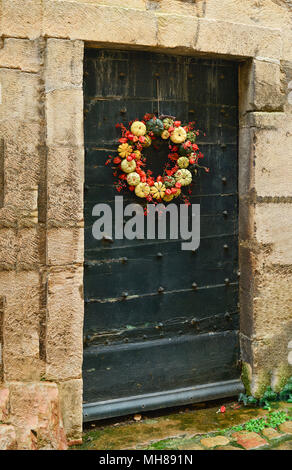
(128, 167)
(183, 176)
(133, 179)
(178, 135)
(138, 128)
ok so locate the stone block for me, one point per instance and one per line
(21, 325)
(286, 427)
(71, 408)
(237, 39)
(271, 433)
(7, 437)
(64, 110)
(268, 13)
(273, 161)
(64, 342)
(19, 248)
(175, 7)
(4, 404)
(273, 304)
(21, 54)
(261, 87)
(65, 186)
(65, 246)
(249, 440)
(35, 413)
(287, 41)
(176, 31)
(21, 18)
(211, 442)
(19, 112)
(270, 220)
(98, 23)
(64, 64)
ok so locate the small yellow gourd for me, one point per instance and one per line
(178, 136)
(183, 176)
(165, 135)
(147, 142)
(168, 197)
(183, 162)
(158, 190)
(128, 167)
(138, 128)
(125, 150)
(133, 179)
(142, 190)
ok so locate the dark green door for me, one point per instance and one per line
(155, 350)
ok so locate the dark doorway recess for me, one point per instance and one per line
(155, 350)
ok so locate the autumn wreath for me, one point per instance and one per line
(182, 162)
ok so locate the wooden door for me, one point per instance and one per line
(151, 350)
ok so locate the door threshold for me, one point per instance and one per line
(160, 400)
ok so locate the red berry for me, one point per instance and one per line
(129, 158)
(178, 185)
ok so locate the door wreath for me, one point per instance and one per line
(130, 165)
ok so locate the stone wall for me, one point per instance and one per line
(41, 188)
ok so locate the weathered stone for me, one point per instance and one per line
(19, 109)
(271, 433)
(265, 155)
(261, 86)
(174, 7)
(210, 442)
(91, 22)
(71, 408)
(176, 31)
(64, 110)
(35, 413)
(21, 18)
(268, 13)
(65, 186)
(4, 404)
(65, 246)
(7, 437)
(287, 40)
(21, 325)
(270, 219)
(64, 342)
(286, 427)
(241, 40)
(19, 248)
(64, 64)
(20, 54)
(249, 440)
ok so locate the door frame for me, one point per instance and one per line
(257, 52)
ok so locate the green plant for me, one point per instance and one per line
(268, 397)
(272, 420)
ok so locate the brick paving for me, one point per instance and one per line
(194, 428)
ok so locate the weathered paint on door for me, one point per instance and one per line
(153, 350)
